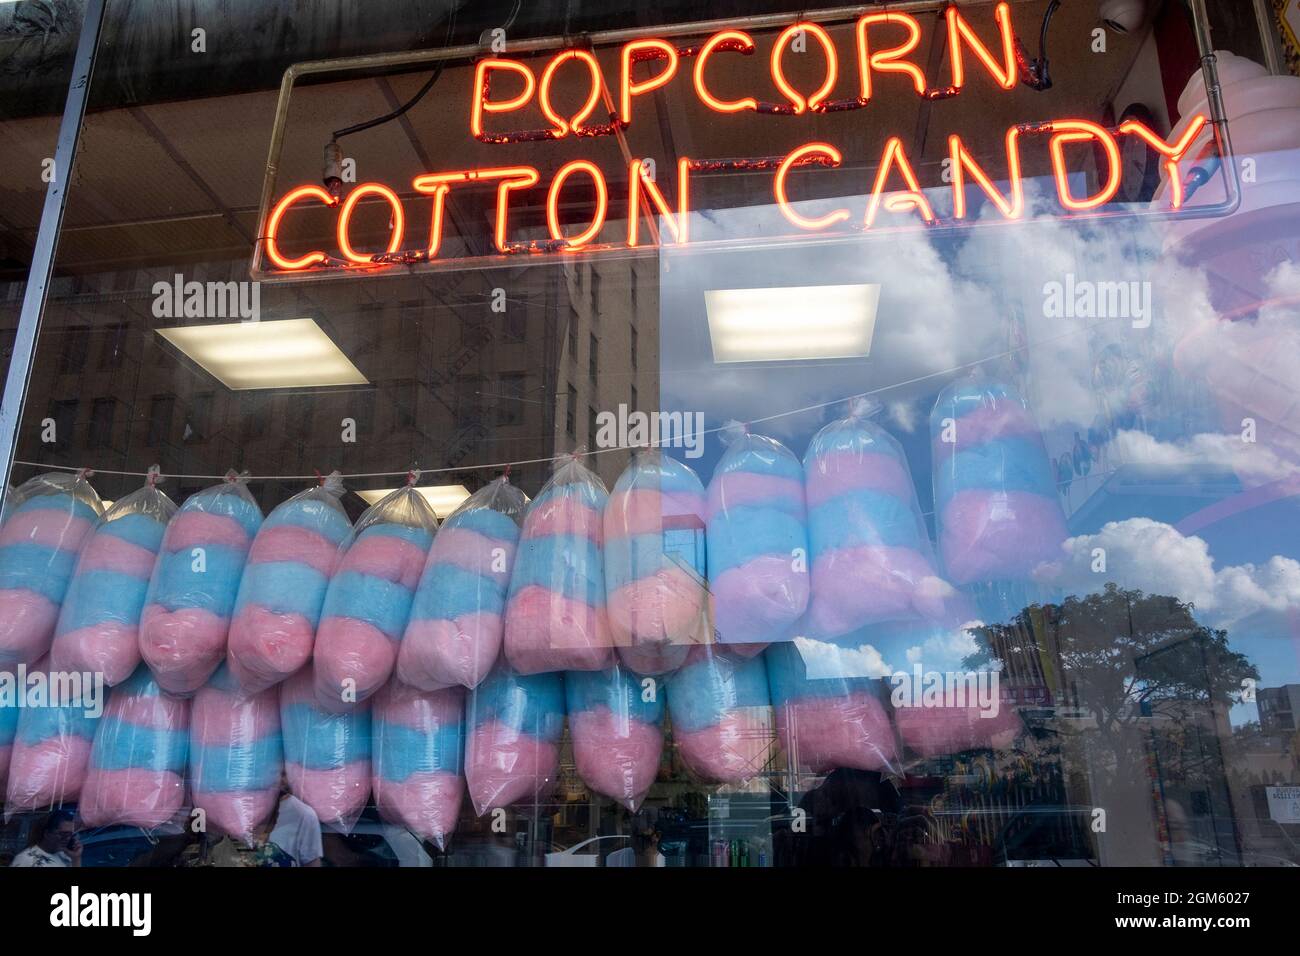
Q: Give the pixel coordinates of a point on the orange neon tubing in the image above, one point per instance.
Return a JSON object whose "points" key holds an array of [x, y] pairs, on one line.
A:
{"points": [[778, 187], [562, 125], [701, 89], [796, 98], [553, 202], [1173, 152], [512, 177], [629, 88], [1076, 131], [962, 162], [345, 218], [890, 60], [273, 229], [481, 104], [636, 180], [912, 198], [959, 30]]}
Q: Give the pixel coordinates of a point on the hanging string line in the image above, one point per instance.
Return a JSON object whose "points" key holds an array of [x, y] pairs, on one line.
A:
{"points": [[551, 459]]}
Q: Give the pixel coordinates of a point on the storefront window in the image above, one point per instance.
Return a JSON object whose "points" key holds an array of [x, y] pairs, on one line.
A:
{"points": [[863, 441]]}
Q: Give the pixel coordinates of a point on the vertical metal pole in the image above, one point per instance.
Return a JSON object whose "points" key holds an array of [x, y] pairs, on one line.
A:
{"points": [[47, 239]]}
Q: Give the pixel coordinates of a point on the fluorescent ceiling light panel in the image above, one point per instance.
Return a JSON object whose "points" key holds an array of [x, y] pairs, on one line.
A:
{"points": [[443, 499], [792, 324], [286, 353]]}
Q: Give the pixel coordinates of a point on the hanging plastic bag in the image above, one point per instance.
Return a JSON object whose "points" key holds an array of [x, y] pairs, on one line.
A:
{"points": [[8, 725], [326, 755], [758, 542], [369, 599], [137, 762], [419, 780], [514, 724], [616, 723], [655, 562], [721, 716], [998, 512], [871, 555], [283, 587], [51, 748], [236, 756], [99, 624], [47, 520], [826, 694], [555, 616], [457, 618], [187, 612]]}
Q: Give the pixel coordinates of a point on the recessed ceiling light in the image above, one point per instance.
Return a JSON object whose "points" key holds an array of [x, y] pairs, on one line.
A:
{"points": [[443, 499], [792, 324], [286, 353]]}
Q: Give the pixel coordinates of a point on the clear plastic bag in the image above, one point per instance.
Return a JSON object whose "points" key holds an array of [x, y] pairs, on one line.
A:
{"points": [[99, 623], [192, 593], [514, 724], [758, 542], [997, 509], [326, 755], [616, 724], [655, 563], [51, 748], [555, 615], [871, 554], [721, 716], [236, 756], [457, 618], [419, 779], [47, 520], [369, 599], [283, 586], [8, 725], [138, 759], [826, 693]]}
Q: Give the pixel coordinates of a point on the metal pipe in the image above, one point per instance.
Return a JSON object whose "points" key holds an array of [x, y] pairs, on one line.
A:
{"points": [[47, 240]]}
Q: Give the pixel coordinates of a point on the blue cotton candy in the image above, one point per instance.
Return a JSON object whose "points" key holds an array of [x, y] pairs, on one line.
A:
{"points": [[97, 596], [178, 585], [565, 564], [285, 587], [35, 567], [708, 687], [377, 601], [617, 690], [124, 746], [532, 704], [319, 740], [403, 751], [238, 767]]}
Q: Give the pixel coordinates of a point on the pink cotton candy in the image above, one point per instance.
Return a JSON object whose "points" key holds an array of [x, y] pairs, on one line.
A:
{"points": [[762, 594], [427, 804], [643, 510], [822, 733], [51, 772], [149, 710], [746, 488], [473, 552], [47, 527], [869, 584], [337, 796], [137, 797], [733, 750], [989, 422], [237, 813], [616, 756], [437, 653], [383, 556], [935, 731], [6, 752], [109, 648], [288, 542], [107, 552], [504, 766], [651, 660], [350, 654], [182, 647], [267, 646], [834, 473], [999, 535], [657, 608], [565, 515], [545, 631], [27, 621], [216, 721], [201, 529]]}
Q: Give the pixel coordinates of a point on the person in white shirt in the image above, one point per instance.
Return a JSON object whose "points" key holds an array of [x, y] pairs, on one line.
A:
{"points": [[57, 845]]}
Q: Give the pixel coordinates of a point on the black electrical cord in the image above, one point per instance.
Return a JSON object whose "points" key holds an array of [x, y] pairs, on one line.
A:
{"points": [[419, 95], [1037, 73]]}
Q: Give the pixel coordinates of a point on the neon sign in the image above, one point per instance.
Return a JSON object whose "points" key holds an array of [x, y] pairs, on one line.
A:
{"points": [[883, 44]]}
